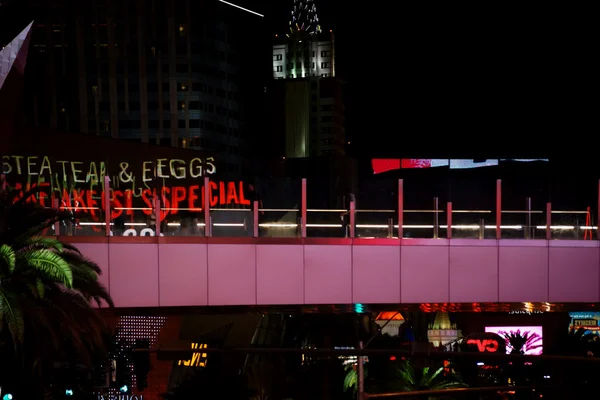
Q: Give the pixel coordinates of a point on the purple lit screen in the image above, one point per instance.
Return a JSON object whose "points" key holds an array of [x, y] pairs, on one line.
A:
{"points": [[533, 346]]}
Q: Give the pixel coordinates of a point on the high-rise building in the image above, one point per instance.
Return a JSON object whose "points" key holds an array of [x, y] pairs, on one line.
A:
{"points": [[170, 72], [308, 106]]}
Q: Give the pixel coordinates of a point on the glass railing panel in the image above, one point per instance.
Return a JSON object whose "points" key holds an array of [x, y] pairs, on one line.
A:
{"points": [[376, 224], [524, 203], [424, 224], [87, 210], [279, 206], [377, 208], [473, 198], [327, 223], [133, 221], [425, 202], [279, 222], [328, 205], [523, 224], [231, 222], [182, 222], [572, 225], [132, 211], [473, 224]]}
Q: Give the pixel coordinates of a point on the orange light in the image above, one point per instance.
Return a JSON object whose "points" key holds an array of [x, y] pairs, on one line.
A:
{"points": [[390, 315]]}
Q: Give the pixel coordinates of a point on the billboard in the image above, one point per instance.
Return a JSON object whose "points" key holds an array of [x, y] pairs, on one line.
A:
{"points": [[534, 337], [588, 321], [381, 165]]}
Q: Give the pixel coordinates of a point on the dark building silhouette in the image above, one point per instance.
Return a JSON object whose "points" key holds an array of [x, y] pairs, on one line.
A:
{"points": [[173, 72]]}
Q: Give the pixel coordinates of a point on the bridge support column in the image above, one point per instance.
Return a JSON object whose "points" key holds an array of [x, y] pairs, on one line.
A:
{"points": [[529, 233], [498, 209], [548, 221], [107, 211], [436, 217], [449, 220], [255, 217], [56, 206], [157, 214], [401, 208], [207, 221], [352, 218], [303, 210]]}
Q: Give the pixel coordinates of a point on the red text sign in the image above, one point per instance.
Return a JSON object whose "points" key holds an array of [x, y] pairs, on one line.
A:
{"points": [[483, 345]]}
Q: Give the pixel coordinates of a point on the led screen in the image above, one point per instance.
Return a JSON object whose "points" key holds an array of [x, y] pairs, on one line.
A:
{"points": [[588, 321], [381, 165], [533, 346]]}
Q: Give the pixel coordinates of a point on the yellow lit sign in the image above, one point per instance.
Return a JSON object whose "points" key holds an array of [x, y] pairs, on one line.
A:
{"points": [[198, 359]]}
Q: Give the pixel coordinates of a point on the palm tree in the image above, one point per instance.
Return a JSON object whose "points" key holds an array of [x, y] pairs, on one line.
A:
{"points": [[522, 342], [351, 378], [46, 290], [406, 378], [426, 379]]}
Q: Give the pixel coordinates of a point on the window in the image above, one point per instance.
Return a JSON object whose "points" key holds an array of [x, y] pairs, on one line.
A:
{"points": [[278, 57], [325, 53], [325, 65], [280, 68]]}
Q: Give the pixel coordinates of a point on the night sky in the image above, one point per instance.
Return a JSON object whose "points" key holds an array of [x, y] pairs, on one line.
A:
{"points": [[433, 80], [426, 79]]}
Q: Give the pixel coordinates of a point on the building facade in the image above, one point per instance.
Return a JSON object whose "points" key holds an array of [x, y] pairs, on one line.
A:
{"points": [[307, 96], [170, 72]]}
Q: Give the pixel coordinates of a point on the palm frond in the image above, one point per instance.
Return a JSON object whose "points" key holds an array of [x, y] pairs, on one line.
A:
{"points": [[50, 264], [44, 242], [83, 264], [429, 377], [12, 316], [7, 259]]}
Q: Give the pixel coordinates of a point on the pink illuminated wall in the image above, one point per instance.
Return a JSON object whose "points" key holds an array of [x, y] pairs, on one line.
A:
{"points": [[245, 271], [533, 345]]}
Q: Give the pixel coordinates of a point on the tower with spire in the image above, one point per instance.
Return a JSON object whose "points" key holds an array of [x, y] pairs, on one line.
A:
{"points": [[304, 70], [305, 51]]}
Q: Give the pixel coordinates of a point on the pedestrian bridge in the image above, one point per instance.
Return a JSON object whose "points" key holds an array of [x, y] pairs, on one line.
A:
{"points": [[213, 271]]}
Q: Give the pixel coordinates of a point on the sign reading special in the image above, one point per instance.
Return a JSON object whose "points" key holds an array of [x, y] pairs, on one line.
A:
{"points": [[79, 185]]}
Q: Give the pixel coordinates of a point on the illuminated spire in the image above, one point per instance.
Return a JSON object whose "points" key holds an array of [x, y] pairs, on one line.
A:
{"points": [[304, 19]]}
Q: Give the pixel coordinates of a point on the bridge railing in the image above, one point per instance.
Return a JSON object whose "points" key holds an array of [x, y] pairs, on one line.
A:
{"points": [[296, 218]]}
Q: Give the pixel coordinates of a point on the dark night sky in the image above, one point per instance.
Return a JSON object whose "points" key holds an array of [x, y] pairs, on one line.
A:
{"points": [[482, 80], [425, 79]]}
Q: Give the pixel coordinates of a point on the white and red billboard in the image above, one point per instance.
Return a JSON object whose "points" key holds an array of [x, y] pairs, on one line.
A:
{"points": [[381, 165]]}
